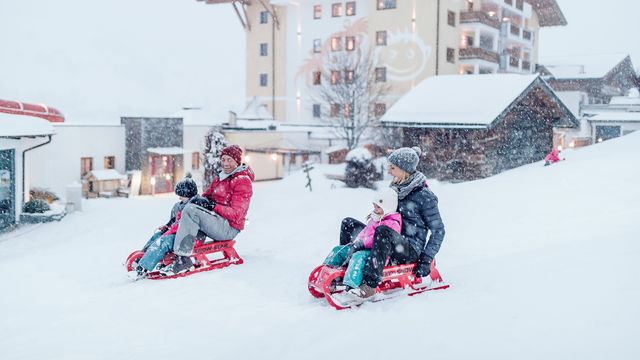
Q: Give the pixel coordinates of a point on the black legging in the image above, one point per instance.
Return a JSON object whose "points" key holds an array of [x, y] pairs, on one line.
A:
{"points": [[386, 243], [349, 229]]}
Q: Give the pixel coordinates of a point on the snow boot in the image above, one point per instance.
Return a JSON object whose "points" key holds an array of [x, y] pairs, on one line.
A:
{"points": [[137, 274], [363, 293], [180, 265]]}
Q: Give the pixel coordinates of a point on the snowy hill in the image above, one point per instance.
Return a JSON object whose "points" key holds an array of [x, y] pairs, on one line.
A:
{"points": [[542, 262]]}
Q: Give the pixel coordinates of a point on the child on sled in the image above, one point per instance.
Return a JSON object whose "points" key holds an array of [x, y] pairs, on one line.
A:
{"points": [[164, 236], [355, 254]]}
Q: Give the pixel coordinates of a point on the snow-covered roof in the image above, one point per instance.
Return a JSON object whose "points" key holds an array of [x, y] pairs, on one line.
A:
{"points": [[581, 67], [616, 116], [169, 151], [633, 98], [572, 100], [192, 115], [472, 101], [109, 174], [334, 148], [255, 110], [12, 125]]}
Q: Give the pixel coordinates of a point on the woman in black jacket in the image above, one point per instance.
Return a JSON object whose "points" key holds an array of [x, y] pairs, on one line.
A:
{"points": [[420, 215]]}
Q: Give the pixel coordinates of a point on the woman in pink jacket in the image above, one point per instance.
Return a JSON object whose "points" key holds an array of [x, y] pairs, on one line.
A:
{"points": [[355, 254]]}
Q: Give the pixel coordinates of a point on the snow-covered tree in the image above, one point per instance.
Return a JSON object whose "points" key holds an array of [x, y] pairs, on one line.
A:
{"points": [[214, 142], [350, 93], [360, 170]]}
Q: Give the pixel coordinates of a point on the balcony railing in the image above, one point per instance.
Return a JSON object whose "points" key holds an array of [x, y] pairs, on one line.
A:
{"points": [[478, 16], [479, 53]]}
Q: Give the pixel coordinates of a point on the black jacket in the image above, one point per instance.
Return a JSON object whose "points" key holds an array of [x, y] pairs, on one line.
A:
{"points": [[420, 214]]}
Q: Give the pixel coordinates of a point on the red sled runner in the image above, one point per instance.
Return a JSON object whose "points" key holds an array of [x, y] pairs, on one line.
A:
{"points": [[325, 281], [203, 257]]}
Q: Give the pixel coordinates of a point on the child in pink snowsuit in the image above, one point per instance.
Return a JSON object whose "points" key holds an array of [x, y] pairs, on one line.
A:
{"points": [[355, 254], [552, 157]]}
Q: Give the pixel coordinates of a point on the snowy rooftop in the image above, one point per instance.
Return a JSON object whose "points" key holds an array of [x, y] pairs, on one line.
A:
{"points": [[109, 174], [169, 151], [192, 115], [581, 67], [459, 100], [255, 110], [633, 98], [12, 125], [616, 116]]}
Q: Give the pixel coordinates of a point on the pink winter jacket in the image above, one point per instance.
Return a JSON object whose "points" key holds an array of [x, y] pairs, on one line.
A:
{"points": [[393, 220], [552, 157]]}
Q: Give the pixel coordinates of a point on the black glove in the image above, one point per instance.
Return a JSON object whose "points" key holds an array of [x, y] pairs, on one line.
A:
{"points": [[353, 248], [203, 202], [423, 267], [163, 229]]}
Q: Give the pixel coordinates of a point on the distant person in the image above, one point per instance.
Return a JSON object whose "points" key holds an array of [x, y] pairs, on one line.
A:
{"points": [[355, 253], [420, 216], [553, 157]]}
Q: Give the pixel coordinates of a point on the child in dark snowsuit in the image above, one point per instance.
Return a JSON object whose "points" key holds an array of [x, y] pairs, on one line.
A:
{"points": [[164, 236], [355, 254]]}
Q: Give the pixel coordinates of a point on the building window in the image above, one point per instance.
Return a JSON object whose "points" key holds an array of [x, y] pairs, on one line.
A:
{"points": [[86, 165], [317, 78], [264, 17], [336, 10], [195, 161], [451, 55], [351, 8], [451, 18], [381, 38], [348, 76], [263, 79], [335, 77], [263, 49], [109, 162], [336, 43], [348, 110], [379, 109], [381, 74], [386, 4], [317, 45], [317, 11], [351, 43], [316, 110], [335, 110]]}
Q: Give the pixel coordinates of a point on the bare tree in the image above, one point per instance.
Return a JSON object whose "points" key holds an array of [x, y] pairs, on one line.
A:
{"points": [[351, 92]]}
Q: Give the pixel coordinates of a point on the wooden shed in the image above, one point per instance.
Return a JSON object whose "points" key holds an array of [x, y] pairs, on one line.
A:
{"points": [[475, 126], [102, 183]]}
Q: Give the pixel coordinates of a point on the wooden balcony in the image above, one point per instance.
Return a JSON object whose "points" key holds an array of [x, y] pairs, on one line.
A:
{"points": [[467, 17], [479, 53]]}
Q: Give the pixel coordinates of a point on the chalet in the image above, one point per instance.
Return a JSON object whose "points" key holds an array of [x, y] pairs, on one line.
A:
{"points": [[475, 126]]}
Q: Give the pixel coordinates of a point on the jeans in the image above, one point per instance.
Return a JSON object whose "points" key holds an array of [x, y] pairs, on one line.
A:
{"points": [[160, 246]]}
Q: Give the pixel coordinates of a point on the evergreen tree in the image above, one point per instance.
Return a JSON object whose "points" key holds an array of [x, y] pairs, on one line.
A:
{"points": [[214, 142]]}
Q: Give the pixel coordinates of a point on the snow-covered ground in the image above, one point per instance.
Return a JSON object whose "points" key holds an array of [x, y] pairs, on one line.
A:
{"points": [[542, 262]]}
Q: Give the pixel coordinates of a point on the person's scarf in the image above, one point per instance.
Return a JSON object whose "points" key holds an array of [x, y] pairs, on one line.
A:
{"points": [[406, 187]]}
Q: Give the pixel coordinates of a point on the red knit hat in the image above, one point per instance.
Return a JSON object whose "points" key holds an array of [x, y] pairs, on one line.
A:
{"points": [[234, 152]]}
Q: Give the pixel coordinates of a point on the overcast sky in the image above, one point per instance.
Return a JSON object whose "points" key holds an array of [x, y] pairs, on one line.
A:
{"points": [[99, 60]]}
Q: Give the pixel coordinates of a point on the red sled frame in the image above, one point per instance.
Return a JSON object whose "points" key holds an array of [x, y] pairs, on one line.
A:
{"points": [[201, 257], [323, 279]]}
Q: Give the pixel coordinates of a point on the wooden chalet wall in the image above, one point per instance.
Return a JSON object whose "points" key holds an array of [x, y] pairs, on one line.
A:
{"points": [[521, 135]]}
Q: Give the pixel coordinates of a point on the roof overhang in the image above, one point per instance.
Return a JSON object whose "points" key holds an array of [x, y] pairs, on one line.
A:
{"points": [[23, 126], [549, 12]]}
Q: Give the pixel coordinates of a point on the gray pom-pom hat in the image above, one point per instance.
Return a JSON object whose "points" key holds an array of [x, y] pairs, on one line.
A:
{"points": [[406, 158]]}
